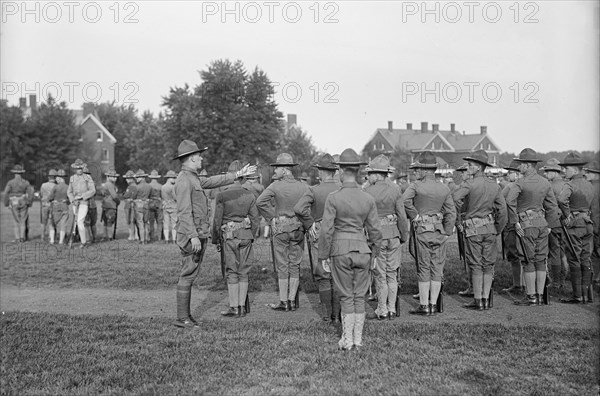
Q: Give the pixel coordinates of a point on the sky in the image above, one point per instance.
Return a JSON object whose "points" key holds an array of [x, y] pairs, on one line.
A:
{"points": [[529, 71]]}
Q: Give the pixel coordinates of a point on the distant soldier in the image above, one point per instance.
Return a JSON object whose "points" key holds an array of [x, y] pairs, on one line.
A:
{"points": [[394, 228], [81, 190], [110, 203], [276, 205], [193, 221], [575, 201], [483, 219], [92, 215], [235, 224], [169, 207], [253, 184], [60, 206], [350, 234], [402, 181], [304, 178], [556, 251], [18, 196], [141, 204], [46, 191], [309, 210], [155, 213], [128, 197], [509, 234], [430, 208], [592, 174], [531, 206], [460, 177]]}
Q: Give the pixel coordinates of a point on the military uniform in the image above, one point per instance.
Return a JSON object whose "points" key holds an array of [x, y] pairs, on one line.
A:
{"points": [[592, 175], [575, 202], [253, 184], [46, 191], [483, 218], [309, 210], [60, 205], [350, 232], [531, 207], [141, 204], [155, 212], [110, 204], [460, 176], [128, 207], [18, 195], [509, 236], [430, 208], [169, 207], [394, 226], [235, 223], [81, 190], [276, 205], [91, 217]]}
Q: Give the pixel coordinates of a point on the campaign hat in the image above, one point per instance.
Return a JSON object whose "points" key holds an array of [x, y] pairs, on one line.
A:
{"points": [[284, 159], [348, 157], [187, 147], [154, 174], [326, 162], [552, 165], [379, 164], [425, 160], [528, 155], [573, 159], [479, 156]]}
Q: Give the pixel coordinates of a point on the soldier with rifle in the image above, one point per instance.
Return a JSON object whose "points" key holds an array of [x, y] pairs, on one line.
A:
{"points": [[81, 189], [531, 207], [575, 202], [141, 205], [18, 196], [483, 219], [46, 191], [60, 206], [309, 210], [276, 205], [234, 226], [592, 174], [92, 215], [463, 176], [110, 204], [432, 213], [130, 192], [394, 227]]}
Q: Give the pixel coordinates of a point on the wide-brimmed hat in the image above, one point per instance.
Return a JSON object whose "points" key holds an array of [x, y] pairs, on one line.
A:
{"points": [[129, 174], [171, 174], [425, 160], [592, 167], [154, 174], [326, 162], [111, 173], [528, 155], [234, 166], [284, 159], [304, 176], [61, 173], [379, 164], [349, 158], [187, 147], [52, 172], [479, 156], [140, 173], [78, 164], [18, 169], [573, 159], [514, 166], [552, 165]]}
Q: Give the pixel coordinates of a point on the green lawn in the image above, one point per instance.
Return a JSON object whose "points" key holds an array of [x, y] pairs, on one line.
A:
{"points": [[60, 354]]}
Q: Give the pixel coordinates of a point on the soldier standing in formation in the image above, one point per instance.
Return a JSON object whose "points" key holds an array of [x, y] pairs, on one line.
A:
{"points": [[110, 203], [130, 192], [46, 191], [193, 221], [140, 205], [18, 195], [60, 206], [430, 208], [575, 202], [92, 215], [81, 189], [309, 210], [155, 213], [276, 205], [592, 174], [169, 207], [484, 218], [556, 251], [509, 234], [235, 223], [531, 207], [461, 177], [394, 228], [344, 246]]}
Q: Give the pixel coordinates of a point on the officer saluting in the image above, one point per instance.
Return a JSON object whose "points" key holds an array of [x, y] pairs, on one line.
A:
{"points": [[430, 208], [193, 221]]}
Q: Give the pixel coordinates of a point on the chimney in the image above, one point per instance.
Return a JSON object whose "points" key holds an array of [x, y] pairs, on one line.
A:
{"points": [[423, 127], [483, 130], [435, 127], [409, 127], [452, 128], [88, 108], [390, 126], [33, 102], [22, 103], [291, 120]]}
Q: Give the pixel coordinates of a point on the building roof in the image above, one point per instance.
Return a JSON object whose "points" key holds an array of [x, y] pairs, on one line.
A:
{"points": [[80, 120]]}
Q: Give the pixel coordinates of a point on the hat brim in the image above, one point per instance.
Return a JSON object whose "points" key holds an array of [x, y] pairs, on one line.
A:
{"points": [[375, 170], [551, 168], [477, 160], [111, 174], [527, 160], [417, 165], [278, 164], [331, 168], [190, 153], [350, 163], [17, 171], [574, 164], [591, 170], [511, 169], [154, 177]]}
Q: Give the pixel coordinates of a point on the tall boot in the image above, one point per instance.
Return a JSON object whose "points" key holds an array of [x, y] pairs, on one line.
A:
{"points": [[488, 293], [345, 343], [184, 318], [517, 273], [477, 281], [335, 307], [436, 286], [61, 237], [131, 236], [93, 233], [326, 300], [174, 236], [242, 296], [294, 283], [540, 281], [233, 291], [106, 234], [587, 291], [283, 289], [52, 234], [359, 322]]}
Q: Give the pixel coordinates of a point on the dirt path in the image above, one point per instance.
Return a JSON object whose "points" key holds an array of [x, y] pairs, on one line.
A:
{"points": [[208, 304]]}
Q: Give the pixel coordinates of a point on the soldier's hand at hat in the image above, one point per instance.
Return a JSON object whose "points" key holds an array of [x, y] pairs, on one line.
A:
{"points": [[519, 230], [196, 245], [246, 170]]}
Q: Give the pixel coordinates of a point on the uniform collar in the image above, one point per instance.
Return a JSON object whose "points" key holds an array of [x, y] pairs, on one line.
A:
{"points": [[349, 185], [188, 169]]}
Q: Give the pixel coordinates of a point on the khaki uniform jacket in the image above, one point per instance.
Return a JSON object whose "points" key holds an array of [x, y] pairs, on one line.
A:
{"points": [[429, 197], [255, 187], [235, 204], [311, 205], [596, 205], [167, 194], [46, 191], [16, 187], [130, 192], [388, 199], [110, 198], [348, 213], [558, 184], [280, 198], [143, 190], [531, 192], [81, 185], [577, 196]]}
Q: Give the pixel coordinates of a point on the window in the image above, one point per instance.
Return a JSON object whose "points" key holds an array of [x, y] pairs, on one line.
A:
{"points": [[481, 146], [99, 136], [104, 155], [433, 145], [375, 147], [489, 146]]}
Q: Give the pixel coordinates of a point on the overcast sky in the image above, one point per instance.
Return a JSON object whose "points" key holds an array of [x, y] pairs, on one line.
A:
{"points": [[529, 71]]}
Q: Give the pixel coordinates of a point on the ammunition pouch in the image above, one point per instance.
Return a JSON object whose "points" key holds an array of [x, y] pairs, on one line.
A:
{"points": [[388, 220], [140, 204], [18, 201], [581, 219], [532, 218], [283, 224], [155, 204], [228, 229], [429, 223], [479, 226]]}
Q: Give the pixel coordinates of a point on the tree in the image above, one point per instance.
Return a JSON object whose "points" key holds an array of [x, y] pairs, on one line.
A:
{"points": [[15, 139], [147, 140], [297, 143]]}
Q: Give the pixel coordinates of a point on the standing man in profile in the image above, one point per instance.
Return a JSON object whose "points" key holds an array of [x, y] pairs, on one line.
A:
{"points": [[81, 189], [309, 210], [46, 192], [110, 203], [276, 205], [193, 221], [18, 195], [141, 205], [155, 213]]}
